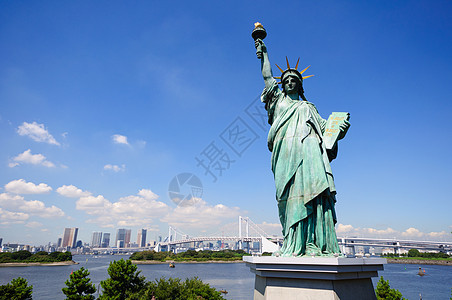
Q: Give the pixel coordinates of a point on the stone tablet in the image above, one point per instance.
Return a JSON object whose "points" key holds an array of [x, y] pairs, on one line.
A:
{"points": [[331, 134]]}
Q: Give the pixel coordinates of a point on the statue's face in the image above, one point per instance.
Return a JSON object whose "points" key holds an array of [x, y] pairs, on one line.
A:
{"points": [[291, 85]]}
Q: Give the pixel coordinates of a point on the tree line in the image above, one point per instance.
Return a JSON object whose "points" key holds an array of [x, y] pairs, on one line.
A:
{"points": [[124, 283], [414, 253], [190, 255], [24, 256]]}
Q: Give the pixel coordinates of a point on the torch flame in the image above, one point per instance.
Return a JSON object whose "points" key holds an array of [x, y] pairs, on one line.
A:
{"points": [[257, 24]]}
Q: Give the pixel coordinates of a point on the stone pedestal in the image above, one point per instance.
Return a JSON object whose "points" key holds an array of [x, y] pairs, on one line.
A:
{"points": [[313, 277]]}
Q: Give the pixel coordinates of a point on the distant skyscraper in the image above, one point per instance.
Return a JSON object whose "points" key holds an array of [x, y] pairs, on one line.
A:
{"points": [[1, 240], [70, 237], [106, 240], [141, 239], [60, 240], [96, 240], [127, 238], [123, 236], [120, 235]]}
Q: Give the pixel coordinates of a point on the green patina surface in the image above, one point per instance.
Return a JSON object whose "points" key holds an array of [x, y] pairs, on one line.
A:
{"points": [[305, 190]]}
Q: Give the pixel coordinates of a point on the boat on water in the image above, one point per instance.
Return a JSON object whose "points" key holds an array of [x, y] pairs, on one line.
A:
{"points": [[172, 265], [421, 272]]}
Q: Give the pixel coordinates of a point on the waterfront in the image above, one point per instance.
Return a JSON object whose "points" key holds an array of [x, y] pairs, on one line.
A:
{"points": [[236, 278]]}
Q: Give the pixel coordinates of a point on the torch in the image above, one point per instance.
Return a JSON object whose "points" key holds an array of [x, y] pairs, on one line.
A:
{"points": [[259, 33]]}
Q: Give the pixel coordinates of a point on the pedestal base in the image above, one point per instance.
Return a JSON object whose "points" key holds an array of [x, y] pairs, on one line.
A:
{"points": [[314, 278]]}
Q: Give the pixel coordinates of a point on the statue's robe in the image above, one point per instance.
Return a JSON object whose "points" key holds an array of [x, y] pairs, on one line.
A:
{"points": [[305, 189]]}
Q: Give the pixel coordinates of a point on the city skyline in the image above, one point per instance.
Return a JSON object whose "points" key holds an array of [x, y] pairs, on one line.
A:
{"points": [[106, 107]]}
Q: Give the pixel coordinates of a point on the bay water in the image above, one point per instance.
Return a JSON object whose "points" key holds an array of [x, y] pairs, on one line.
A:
{"points": [[235, 278]]}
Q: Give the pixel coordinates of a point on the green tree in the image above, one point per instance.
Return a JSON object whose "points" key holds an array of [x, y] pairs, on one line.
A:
{"points": [[124, 280], [21, 255], [414, 253], [6, 257], [17, 289], [384, 291], [79, 286], [175, 289], [64, 256]]}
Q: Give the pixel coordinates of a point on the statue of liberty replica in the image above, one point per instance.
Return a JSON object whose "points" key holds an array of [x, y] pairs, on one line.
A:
{"points": [[302, 144]]}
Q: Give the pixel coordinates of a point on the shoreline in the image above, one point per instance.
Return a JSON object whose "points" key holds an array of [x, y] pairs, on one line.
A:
{"points": [[158, 262], [419, 262], [34, 264], [389, 260]]}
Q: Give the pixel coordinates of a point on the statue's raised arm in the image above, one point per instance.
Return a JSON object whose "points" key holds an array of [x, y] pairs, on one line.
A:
{"points": [[259, 34], [265, 63]]}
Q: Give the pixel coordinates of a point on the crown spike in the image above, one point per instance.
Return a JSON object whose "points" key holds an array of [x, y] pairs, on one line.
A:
{"points": [[282, 71], [307, 76], [296, 67], [287, 61], [305, 69]]}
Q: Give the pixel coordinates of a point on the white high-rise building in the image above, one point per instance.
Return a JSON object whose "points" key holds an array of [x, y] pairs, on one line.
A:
{"points": [[69, 237], [141, 238], [96, 240], [123, 236], [106, 240]]}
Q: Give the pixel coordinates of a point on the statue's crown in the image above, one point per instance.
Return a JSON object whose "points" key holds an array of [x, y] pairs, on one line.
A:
{"points": [[292, 72]]}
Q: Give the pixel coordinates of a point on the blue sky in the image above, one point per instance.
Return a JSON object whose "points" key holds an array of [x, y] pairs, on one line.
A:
{"points": [[103, 103]]}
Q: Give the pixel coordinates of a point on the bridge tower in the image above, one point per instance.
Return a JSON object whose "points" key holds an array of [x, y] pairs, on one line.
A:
{"points": [[247, 229], [172, 236]]}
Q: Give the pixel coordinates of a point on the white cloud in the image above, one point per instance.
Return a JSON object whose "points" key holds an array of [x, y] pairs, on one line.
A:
{"points": [[441, 234], [410, 233], [200, 215], [349, 230], [115, 168], [139, 205], [33, 224], [19, 205], [38, 208], [72, 191], [153, 228], [93, 205], [20, 186], [8, 217], [36, 132], [341, 228], [134, 210], [120, 139], [28, 158], [9, 201], [147, 194]]}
